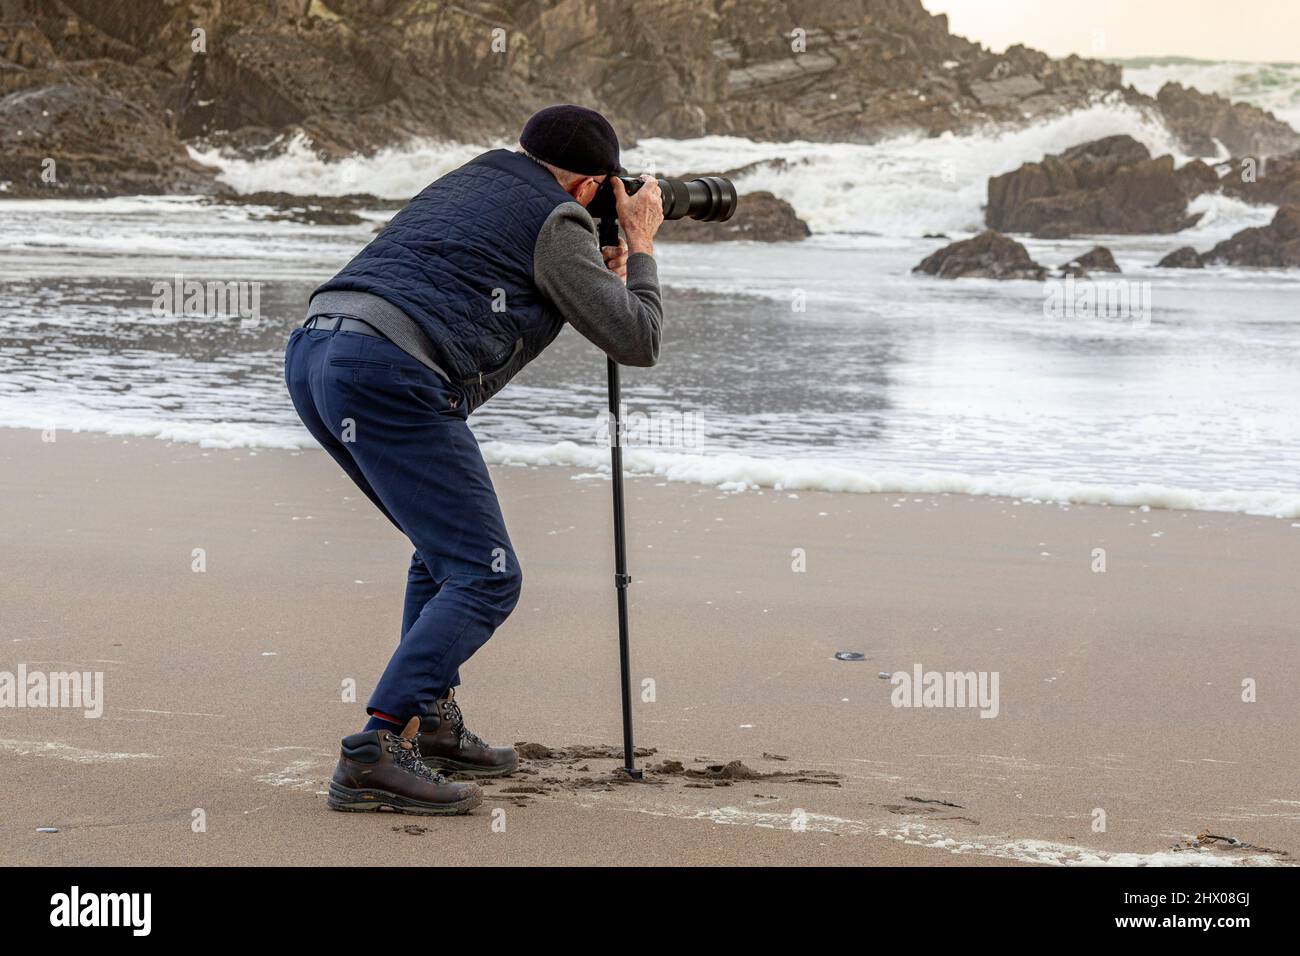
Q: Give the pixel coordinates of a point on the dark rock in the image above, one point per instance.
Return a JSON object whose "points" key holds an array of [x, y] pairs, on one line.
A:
{"points": [[1199, 119], [313, 210], [346, 201], [1273, 181], [23, 47], [1099, 158], [315, 216], [1183, 258], [1097, 259], [990, 255], [1276, 245], [1198, 177], [760, 217], [95, 144], [1111, 185], [1082, 167]]}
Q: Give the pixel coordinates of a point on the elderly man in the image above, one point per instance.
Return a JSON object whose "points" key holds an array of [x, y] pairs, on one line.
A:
{"points": [[467, 285]]}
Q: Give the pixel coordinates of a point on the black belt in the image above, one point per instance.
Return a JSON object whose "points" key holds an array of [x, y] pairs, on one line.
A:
{"points": [[341, 323]]}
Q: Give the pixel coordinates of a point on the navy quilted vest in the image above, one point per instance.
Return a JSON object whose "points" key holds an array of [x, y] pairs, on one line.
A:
{"points": [[458, 259]]}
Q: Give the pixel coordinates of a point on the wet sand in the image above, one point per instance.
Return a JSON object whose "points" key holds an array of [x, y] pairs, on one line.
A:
{"points": [[1118, 691]]}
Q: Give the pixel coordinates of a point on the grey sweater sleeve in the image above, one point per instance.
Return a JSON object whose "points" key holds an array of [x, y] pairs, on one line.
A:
{"points": [[624, 321]]}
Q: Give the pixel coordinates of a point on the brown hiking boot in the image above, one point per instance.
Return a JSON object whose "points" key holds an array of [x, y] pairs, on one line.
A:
{"points": [[380, 769], [445, 744]]}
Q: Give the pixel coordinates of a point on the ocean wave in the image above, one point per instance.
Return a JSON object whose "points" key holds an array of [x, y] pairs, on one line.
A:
{"points": [[397, 172], [910, 184], [901, 186], [1221, 216]]}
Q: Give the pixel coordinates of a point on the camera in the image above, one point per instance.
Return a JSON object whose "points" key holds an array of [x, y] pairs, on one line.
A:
{"points": [[708, 199]]}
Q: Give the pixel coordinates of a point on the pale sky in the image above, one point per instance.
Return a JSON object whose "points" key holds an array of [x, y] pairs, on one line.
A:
{"points": [[1259, 30]]}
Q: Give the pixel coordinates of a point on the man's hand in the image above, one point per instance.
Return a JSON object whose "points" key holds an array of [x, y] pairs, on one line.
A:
{"points": [[616, 258], [641, 214]]}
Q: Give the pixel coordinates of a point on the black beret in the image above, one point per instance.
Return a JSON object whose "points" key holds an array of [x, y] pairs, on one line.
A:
{"points": [[573, 138]]}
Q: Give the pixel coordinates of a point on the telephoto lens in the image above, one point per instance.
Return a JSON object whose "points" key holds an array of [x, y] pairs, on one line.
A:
{"points": [[708, 199]]}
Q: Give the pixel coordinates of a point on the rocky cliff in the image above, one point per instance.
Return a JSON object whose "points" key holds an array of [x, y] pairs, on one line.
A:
{"points": [[353, 75]]}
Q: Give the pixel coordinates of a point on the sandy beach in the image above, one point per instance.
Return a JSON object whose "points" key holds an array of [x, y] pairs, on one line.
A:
{"points": [[224, 689]]}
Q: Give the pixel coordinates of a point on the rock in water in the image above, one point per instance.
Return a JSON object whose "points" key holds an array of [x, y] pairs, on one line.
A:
{"points": [[1082, 167], [760, 216], [313, 210], [1097, 259], [1273, 181], [1199, 119], [1111, 185], [990, 255], [1182, 258], [1275, 246]]}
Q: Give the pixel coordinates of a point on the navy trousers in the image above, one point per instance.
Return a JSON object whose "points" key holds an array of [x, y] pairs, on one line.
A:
{"points": [[399, 431]]}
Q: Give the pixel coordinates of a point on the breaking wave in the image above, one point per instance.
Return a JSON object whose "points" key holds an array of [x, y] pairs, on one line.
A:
{"points": [[907, 185]]}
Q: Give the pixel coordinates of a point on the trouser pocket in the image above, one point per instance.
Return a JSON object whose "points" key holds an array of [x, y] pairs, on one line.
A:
{"points": [[358, 363]]}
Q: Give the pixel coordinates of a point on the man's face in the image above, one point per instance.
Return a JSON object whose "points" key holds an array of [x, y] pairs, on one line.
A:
{"points": [[584, 190]]}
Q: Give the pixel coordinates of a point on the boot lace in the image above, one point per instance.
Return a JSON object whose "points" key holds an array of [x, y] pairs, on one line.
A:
{"points": [[463, 734], [408, 758]]}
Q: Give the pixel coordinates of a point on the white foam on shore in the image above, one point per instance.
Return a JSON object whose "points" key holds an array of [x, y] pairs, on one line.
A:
{"points": [[728, 471], [1049, 853], [735, 472], [1043, 852], [222, 434]]}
